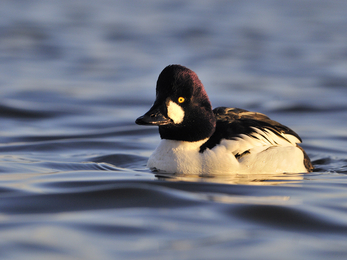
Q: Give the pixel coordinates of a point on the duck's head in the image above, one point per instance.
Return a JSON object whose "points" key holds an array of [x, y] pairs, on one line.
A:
{"points": [[182, 109]]}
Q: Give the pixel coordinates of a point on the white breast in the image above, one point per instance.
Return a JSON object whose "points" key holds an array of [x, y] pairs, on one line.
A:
{"points": [[177, 157]]}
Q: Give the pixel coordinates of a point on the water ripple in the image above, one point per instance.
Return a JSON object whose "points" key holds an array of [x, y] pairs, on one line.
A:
{"points": [[108, 196], [288, 218]]}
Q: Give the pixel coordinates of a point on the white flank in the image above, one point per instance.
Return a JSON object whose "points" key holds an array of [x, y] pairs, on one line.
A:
{"points": [[175, 112], [184, 157]]}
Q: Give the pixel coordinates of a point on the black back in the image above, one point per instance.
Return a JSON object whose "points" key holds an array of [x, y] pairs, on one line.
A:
{"points": [[232, 122]]}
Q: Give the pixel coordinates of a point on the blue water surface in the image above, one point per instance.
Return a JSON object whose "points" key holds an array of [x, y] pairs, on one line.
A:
{"points": [[74, 76]]}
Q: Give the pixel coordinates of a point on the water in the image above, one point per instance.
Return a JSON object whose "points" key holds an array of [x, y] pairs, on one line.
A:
{"points": [[75, 75]]}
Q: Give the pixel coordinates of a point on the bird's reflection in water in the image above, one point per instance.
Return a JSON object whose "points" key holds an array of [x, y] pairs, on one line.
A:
{"points": [[245, 179]]}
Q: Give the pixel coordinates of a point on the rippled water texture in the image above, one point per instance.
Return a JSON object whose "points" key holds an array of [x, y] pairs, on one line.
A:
{"points": [[74, 76]]}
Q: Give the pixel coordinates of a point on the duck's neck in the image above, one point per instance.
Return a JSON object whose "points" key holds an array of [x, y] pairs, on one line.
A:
{"points": [[194, 128]]}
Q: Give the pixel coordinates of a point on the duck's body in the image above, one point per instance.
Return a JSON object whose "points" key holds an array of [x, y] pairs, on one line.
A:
{"points": [[197, 140]]}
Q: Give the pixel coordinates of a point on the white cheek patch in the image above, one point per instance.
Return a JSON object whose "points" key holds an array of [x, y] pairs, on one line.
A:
{"points": [[175, 112]]}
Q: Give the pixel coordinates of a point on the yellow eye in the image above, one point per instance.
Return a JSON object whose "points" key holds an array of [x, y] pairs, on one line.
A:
{"points": [[180, 99]]}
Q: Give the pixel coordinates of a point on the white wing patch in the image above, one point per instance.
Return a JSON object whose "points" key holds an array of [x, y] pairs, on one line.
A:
{"points": [[175, 112], [270, 137], [260, 139]]}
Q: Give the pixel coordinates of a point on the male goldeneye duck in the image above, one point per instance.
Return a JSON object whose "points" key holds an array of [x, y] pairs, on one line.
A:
{"points": [[199, 140]]}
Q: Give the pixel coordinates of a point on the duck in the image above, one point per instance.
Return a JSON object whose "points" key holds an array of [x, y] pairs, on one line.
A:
{"points": [[199, 140]]}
